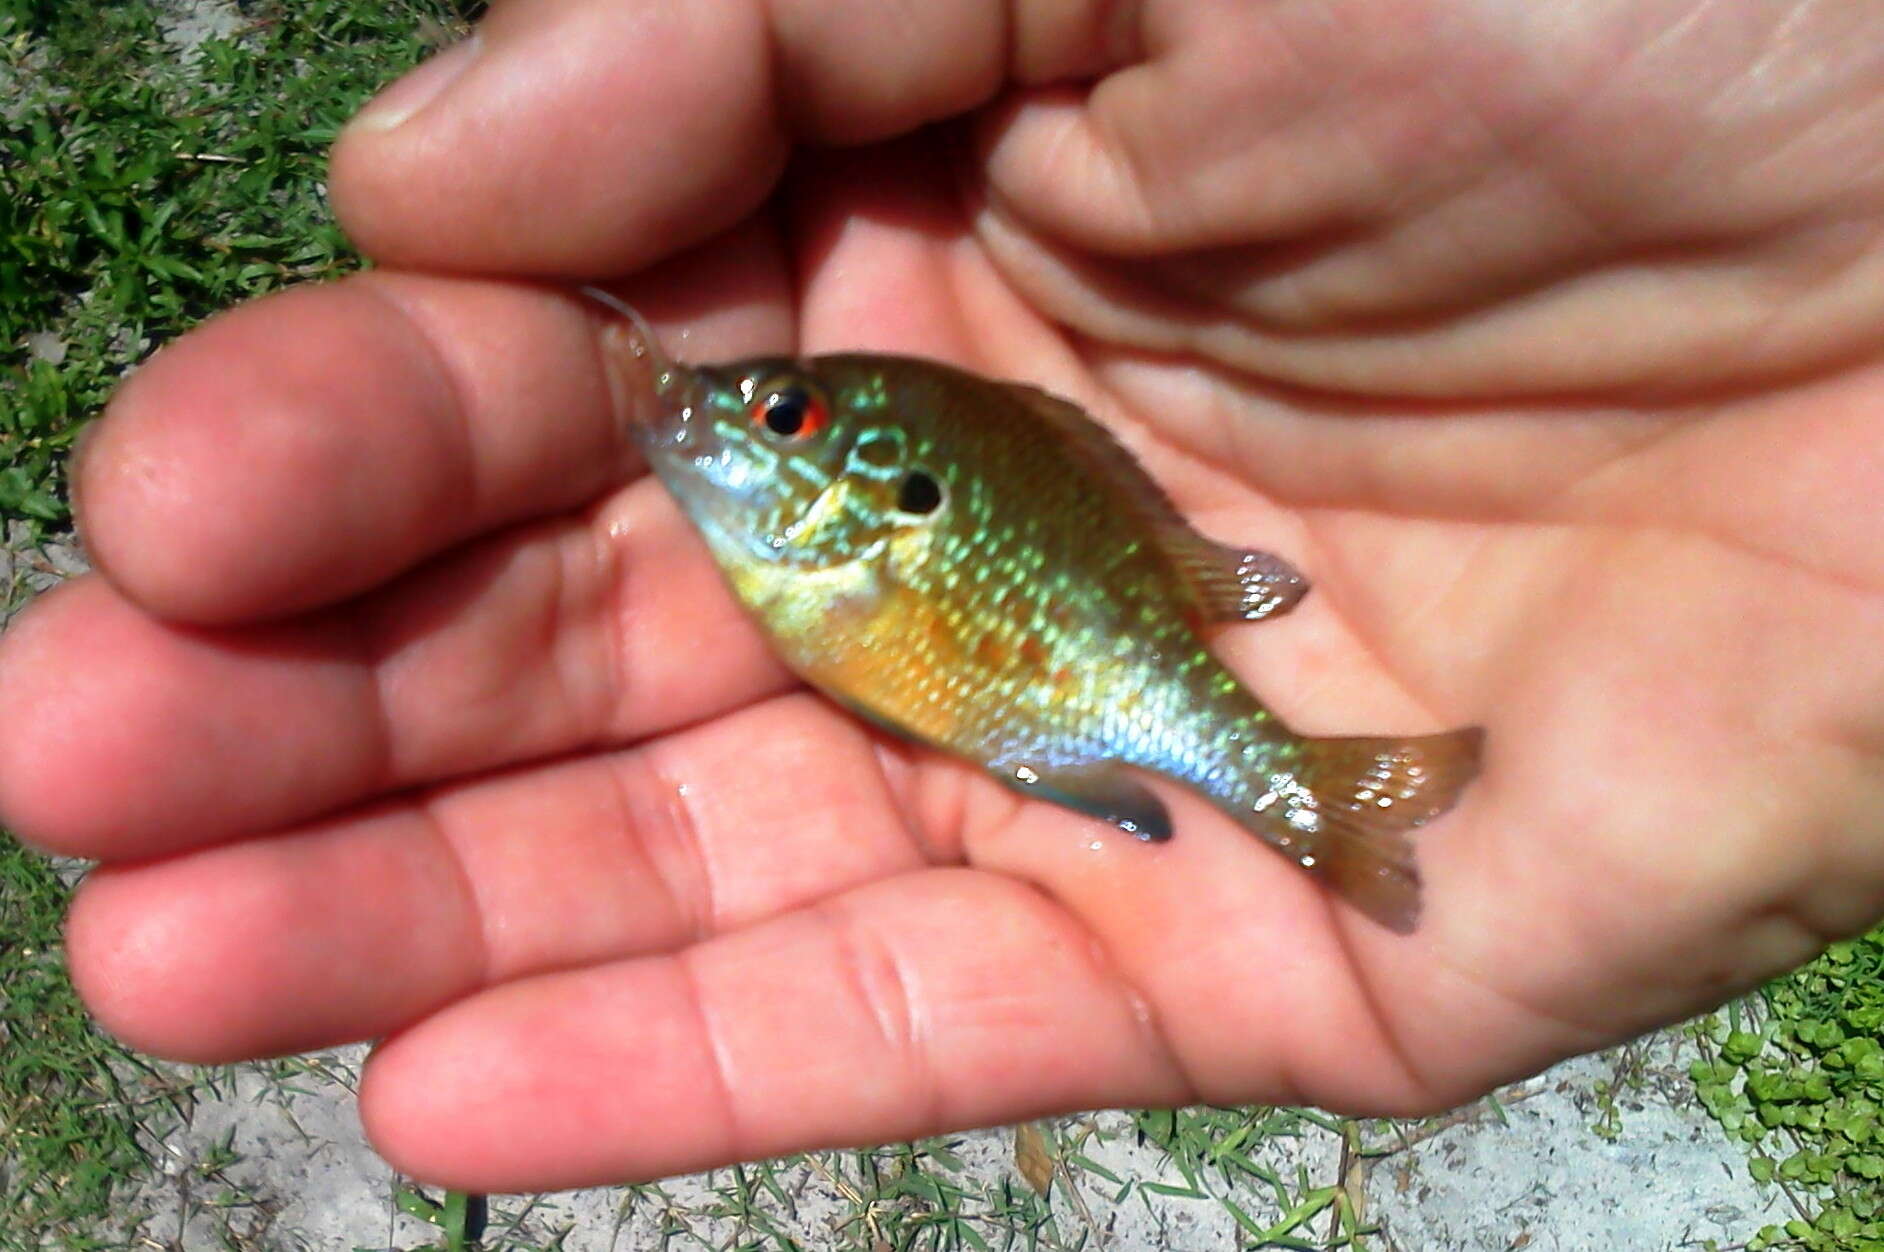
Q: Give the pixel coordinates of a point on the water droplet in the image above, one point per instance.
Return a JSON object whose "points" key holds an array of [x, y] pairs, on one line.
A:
{"points": [[1139, 1006]]}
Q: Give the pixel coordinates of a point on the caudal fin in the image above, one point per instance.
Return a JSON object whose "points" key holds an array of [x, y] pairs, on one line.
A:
{"points": [[1366, 794]]}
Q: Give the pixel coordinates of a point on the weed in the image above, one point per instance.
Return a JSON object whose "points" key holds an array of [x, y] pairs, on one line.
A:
{"points": [[1804, 1087], [68, 1125], [142, 195]]}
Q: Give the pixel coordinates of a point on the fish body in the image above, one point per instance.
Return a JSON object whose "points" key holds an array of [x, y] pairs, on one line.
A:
{"points": [[979, 566]]}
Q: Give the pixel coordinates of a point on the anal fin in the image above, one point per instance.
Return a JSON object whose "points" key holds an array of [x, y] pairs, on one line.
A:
{"points": [[1104, 790]]}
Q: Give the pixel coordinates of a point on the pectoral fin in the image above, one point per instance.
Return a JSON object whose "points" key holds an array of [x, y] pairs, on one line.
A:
{"points": [[1105, 790]]}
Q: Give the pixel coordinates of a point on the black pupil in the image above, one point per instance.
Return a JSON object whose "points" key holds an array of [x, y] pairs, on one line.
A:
{"points": [[785, 411], [920, 494]]}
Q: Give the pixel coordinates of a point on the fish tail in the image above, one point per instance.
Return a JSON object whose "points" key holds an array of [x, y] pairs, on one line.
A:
{"points": [[1356, 799]]}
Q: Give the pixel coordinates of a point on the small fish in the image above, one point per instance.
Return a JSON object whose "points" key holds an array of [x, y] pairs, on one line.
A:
{"points": [[979, 566]]}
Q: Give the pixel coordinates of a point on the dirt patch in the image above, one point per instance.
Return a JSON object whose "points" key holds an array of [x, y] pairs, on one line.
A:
{"points": [[29, 566], [188, 24]]}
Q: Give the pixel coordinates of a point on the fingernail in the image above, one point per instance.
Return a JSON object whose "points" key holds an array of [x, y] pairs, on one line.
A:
{"points": [[417, 89]]}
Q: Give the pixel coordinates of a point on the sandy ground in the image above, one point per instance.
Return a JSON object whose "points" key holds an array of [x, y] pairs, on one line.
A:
{"points": [[1537, 1176]]}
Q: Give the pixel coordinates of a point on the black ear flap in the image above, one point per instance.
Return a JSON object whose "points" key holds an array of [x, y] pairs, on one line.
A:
{"points": [[920, 494]]}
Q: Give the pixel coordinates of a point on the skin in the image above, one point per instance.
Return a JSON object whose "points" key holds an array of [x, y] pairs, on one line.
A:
{"points": [[1547, 340]]}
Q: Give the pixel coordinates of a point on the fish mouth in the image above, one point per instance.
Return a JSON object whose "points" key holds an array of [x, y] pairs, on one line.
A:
{"points": [[678, 395], [656, 397]]}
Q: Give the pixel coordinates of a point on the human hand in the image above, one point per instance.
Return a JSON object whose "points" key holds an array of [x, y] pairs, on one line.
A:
{"points": [[1546, 344]]}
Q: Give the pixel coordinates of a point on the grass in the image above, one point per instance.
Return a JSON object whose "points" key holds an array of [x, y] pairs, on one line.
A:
{"points": [[1803, 1086], [141, 198], [141, 191], [68, 1129]]}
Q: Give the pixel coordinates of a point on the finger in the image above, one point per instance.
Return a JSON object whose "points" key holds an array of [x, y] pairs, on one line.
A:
{"points": [[125, 737], [942, 999], [1265, 987], [1332, 120], [639, 128], [303, 448], [352, 928]]}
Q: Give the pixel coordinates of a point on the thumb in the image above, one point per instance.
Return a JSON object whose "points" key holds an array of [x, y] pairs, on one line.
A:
{"points": [[588, 137]]}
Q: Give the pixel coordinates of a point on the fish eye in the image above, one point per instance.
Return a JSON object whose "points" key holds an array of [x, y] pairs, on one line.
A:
{"points": [[920, 493], [788, 410]]}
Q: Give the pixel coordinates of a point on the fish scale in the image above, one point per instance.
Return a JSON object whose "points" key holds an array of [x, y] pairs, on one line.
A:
{"points": [[980, 567]]}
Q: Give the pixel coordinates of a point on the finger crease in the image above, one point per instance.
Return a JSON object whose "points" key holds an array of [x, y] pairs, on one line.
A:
{"points": [[879, 980], [1139, 1004], [458, 403], [369, 653], [562, 633], [1143, 1010], [612, 567], [425, 808], [722, 1073], [674, 825], [1359, 975], [898, 775]]}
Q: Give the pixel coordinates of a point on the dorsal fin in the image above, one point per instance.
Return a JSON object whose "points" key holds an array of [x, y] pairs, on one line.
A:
{"points": [[1226, 583], [1235, 584]]}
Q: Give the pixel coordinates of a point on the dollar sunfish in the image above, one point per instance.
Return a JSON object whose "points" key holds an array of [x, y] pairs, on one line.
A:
{"points": [[980, 567]]}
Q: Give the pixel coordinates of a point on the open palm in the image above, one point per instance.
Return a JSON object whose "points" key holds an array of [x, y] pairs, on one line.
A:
{"points": [[1548, 348]]}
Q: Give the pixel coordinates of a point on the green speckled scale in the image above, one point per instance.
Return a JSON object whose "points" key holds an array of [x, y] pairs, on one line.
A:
{"points": [[979, 566]]}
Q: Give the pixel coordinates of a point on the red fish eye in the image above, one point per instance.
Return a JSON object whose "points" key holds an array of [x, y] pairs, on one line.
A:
{"points": [[789, 411]]}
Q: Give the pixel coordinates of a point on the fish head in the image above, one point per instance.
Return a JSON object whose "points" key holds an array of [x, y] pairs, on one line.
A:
{"points": [[786, 462]]}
